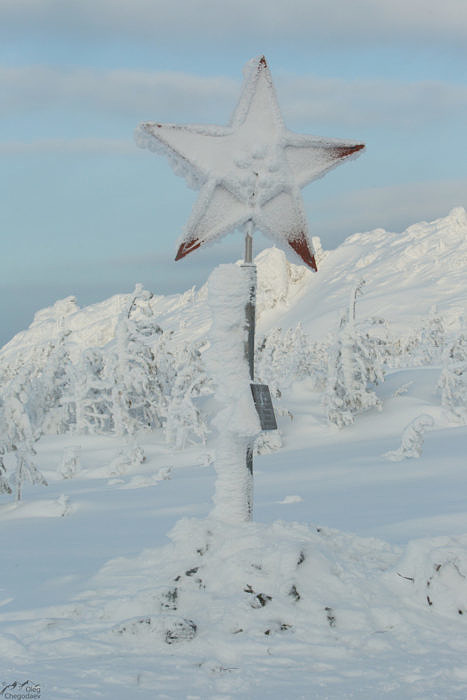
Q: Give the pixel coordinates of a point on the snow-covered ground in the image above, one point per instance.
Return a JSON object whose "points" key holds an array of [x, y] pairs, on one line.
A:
{"points": [[350, 583]]}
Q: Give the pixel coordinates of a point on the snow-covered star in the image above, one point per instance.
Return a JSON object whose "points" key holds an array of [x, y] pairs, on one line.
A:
{"points": [[250, 172]]}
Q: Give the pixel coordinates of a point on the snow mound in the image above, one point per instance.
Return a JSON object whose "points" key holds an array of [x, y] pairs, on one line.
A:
{"points": [[44, 508], [288, 596], [433, 572]]}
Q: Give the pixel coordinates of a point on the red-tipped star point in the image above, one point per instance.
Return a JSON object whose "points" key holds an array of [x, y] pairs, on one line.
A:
{"points": [[345, 151], [300, 246], [187, 247]]}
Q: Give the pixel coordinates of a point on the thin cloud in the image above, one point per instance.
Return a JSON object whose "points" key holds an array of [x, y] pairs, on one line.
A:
{"points": [[69, 146], [172, 96], [393, 207], [325, 21], [372, 103], [160, 94]]}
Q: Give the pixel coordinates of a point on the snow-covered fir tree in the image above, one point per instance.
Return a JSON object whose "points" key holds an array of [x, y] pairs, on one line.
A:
{"points": [[184, 421], [354, 364], [19, 409], [412, 439], [142, 380], [137, 388], [282, 358], [54, 388], [70, 463], [431, 341], [128, 457], [422, 345], [4, 485], [26, 469], [93, 394], [19, 436], [453, 379]]}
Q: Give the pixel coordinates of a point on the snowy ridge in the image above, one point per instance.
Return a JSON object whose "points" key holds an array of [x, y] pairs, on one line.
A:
{"points": [[185, 315], [406, 275]]}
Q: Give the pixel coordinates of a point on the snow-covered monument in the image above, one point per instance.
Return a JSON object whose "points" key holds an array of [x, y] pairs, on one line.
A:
{"points": [[249, 174]]}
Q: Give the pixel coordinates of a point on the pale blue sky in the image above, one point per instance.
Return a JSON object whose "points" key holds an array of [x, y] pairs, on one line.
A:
{"points": [[84, 212]]}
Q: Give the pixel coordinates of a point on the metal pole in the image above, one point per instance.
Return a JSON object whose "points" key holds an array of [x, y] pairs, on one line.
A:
{"points": [[250, 313], [250, 316]]}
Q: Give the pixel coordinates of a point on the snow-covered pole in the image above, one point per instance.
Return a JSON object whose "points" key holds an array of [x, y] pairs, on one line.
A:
{"points": [[250, 320], [250, 308], [230, 291]]}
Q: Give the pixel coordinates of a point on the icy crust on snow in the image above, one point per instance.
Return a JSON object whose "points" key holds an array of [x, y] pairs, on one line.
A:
{"points": [[237, 423]]}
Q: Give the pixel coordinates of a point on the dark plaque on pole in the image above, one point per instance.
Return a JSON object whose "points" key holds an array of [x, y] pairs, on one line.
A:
{"points": [[264, 407]]}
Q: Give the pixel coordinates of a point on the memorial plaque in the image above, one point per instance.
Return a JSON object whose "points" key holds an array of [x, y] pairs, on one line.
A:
{"points": [[264, 407]]}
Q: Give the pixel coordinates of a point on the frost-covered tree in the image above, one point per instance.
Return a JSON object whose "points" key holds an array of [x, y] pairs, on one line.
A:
{"points": [[184, 420], [155, 380], [434, 335], [130, 456], [93, 394], [54, 389], [453, 379], [378, 334], [354, 364], [430, 341], [26, 469], [22, 406], [421, 345], [267, 353], [412, 439], [18, 411], [70, 463], [133, 373], [283, 358], [19, 436], [4, 485], [142, 379]]}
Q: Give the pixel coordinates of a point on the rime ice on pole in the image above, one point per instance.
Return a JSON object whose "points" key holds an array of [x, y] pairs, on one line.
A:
{"points": [[249, 171], [237, 422]]}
